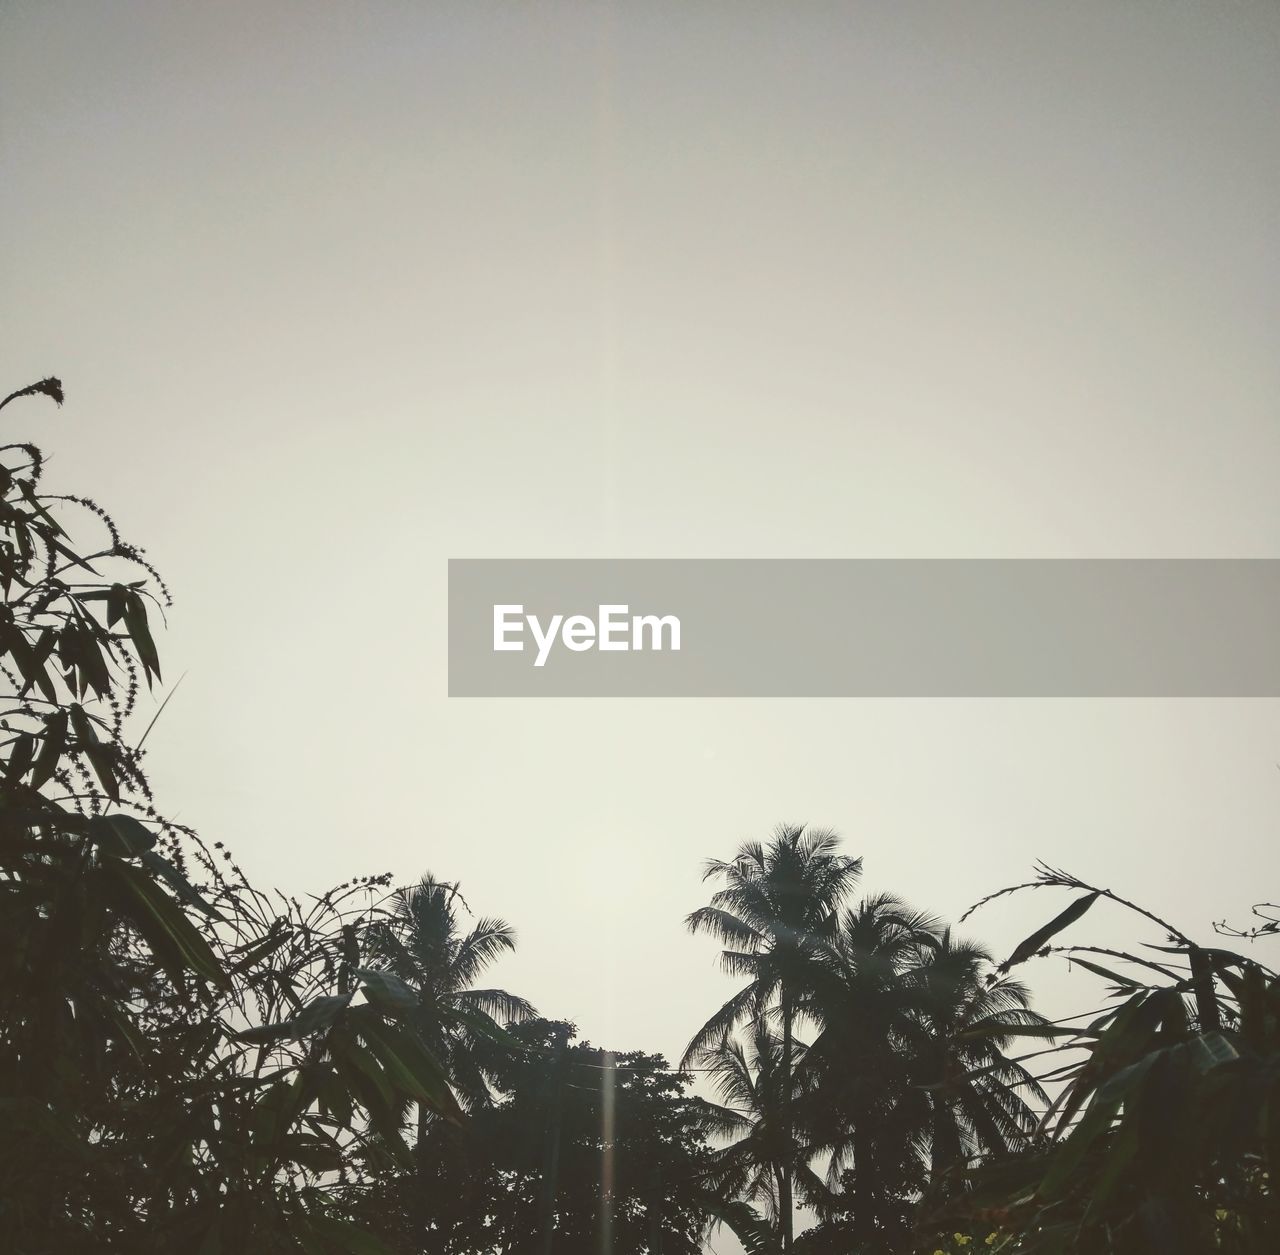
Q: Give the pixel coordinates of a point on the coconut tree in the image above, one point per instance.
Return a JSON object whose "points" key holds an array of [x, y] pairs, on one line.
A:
{"points": [[747, 1071], [777, 907], [864, 1110], [910, 1062], [424, 945], [965, 1020]]}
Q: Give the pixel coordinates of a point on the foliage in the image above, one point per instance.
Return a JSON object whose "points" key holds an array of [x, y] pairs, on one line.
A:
{"points": [[904, 1077], [777, 905], [1165, 1134], [421, 945], [185, 1062], [747, 1070], [901, 1089], [608, 1147], [188, 1062]]}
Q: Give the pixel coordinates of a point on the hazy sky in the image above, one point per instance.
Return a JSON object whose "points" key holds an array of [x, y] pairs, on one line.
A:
{"points": [[341, 291]]}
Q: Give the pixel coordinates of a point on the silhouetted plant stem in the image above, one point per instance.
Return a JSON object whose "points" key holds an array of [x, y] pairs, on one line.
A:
{"points": [[552, 1161], [788, 1133]]}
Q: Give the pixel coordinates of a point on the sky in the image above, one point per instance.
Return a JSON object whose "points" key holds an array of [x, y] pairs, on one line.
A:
{"points": [[339, 292]]}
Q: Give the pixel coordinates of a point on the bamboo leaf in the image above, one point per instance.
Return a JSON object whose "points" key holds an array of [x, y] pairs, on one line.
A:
{"points": [[159, 917], [178, 883], [1042, 936], [317, 1016], [135, 618], [52, 745], [1125, 982], [121, 834], [97, 753], [387, 991]]}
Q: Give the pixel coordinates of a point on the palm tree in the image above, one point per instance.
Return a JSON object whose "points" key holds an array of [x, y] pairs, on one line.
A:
{"points": [[777, 907], [966, 1020], [749, 1077], [864, 1110], [909, 1071], [423, 945]]}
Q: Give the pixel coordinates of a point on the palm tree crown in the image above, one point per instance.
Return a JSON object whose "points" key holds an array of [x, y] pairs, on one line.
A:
{"points": [[779, 903], [777, 906], [425, 947]]}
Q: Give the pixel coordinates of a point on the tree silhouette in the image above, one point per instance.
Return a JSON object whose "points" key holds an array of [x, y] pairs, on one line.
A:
{"points": [[630, 1164], [747, 1071], [907, 1078], [186, 1063], [967, 1019], [1163, 1136], [862, 1107], [424, 946], [777, 907]]}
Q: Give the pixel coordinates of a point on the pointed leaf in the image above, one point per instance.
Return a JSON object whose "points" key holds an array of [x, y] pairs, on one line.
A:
{"points": [[1042, 936]]}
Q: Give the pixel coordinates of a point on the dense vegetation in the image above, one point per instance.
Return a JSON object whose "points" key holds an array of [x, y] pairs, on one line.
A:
{"points": [[190, 1063]]}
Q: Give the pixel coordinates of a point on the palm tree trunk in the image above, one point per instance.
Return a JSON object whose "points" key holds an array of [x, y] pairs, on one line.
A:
{"points": [[420, 1209], [784, 1176], [865, 1207], [551, 1162]]}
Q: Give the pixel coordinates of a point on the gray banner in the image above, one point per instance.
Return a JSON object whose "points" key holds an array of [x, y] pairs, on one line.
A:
{"points": [[864, 628]]}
